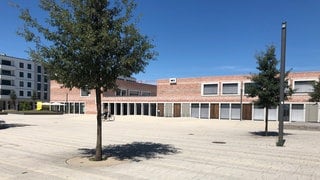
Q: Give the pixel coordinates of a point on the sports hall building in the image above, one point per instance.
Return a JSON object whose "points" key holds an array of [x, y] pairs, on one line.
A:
{"points": [[216, 97]]}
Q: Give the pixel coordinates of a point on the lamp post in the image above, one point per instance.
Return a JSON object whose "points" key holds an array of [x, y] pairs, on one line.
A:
{"points": [[282, 75]]}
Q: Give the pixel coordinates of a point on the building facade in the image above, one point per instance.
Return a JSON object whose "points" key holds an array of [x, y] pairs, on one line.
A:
{"points": [[217, 97], [25, 78]]}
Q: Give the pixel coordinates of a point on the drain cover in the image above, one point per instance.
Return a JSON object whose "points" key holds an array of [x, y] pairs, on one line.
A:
{"points": [[218, 142]]}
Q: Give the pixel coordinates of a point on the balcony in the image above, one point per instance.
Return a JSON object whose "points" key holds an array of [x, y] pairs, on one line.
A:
{"points": [[7, 67]]}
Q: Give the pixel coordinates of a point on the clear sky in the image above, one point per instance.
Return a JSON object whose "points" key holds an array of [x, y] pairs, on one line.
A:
{"points": [[206, 37]]}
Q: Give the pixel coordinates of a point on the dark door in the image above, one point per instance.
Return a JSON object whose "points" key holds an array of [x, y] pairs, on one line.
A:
{"points": [[177, 110], [247, 112], [160, 110], [214, 111]]}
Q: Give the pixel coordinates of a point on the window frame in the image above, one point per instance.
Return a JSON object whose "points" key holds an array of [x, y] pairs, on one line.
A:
{"points": [[301, 80], [230, 94], [210, 83]]}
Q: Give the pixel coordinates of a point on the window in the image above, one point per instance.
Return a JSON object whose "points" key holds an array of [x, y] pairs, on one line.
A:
{"points": [[39, 69], [303, 86], [210, 89], [38, 78], [145, 93], [6, 62], [121, 92], [45, 79], [29, 84], [21, 93], [21, 74], [230, 88], [6, 82], [45, 87], [6, 72], [84, 92], [45, 95], [39, 95], [21, 65], [29, 93], [39, 87], [247, 86], [29, 75], [21, 84], [5, 92], [29, 66], [134, 93]]}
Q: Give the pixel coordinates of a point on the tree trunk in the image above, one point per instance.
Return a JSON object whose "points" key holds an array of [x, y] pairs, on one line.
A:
{"points": [[98, 156], [266, 121]]}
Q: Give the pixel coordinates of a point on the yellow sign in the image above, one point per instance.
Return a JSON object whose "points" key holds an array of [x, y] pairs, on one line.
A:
{"points": [[39, 105]]}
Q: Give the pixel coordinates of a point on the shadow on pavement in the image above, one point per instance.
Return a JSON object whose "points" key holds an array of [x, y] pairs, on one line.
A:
{"points": [[134, 151], [3, 125], [270, 133]]}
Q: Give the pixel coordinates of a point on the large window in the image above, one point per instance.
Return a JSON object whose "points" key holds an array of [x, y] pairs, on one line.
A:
{"points": [[5, 92], [247, 86], [21, 74], [29, 66], [6, 72], [21, 65], [84, 92], [6, 82], [121, 92], [134, 93], [230, 88], [303, 86], [39, 69], [6, 62], [210, 89], [145, 93]]}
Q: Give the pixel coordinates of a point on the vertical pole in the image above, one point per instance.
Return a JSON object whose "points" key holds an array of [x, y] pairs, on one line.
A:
{"points": [[241, 94], [282, 75]]}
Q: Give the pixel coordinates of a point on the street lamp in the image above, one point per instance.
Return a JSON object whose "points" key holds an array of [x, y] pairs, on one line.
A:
{"points": [[282, 75]]}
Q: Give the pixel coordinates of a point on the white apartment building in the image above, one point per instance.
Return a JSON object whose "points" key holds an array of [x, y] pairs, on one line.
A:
{"points": [[25, 78]]}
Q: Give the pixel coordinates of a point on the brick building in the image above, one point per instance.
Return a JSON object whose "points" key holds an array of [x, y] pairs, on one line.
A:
{"points": [[217, 97]]}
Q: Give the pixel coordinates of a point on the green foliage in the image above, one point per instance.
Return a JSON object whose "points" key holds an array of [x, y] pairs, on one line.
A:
{"points": [[88, 44], [267, 82], [13, 98], [315, 95], [24, 106]]}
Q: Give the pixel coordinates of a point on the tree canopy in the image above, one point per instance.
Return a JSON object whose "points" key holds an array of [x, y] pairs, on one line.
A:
{"points": [[315, 95], [88, 44], [266, 84]]}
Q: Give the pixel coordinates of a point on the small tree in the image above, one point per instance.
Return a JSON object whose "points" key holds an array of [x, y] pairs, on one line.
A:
{"points": [[267, 82], [88, 44], [34, 98], [315, 95], [13, 98]]}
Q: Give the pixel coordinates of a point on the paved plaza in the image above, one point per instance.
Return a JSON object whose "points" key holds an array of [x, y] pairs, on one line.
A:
{"points": [[44, 147]]}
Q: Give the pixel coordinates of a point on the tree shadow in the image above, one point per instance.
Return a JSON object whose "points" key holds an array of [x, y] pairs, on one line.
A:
{"points": [[133, 151], [270, 133], [3, 125]]}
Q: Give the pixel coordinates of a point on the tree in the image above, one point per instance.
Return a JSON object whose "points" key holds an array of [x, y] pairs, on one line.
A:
{"points": [[34, 98], [266, 84], [88, 44], [315, 95], [13, 97]]}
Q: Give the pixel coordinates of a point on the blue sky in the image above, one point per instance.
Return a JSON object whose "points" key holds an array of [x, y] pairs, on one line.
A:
{"points": [[207, 37]]}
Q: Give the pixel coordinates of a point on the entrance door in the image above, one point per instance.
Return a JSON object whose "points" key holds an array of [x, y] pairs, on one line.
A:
{"points": [[214, 111], [247, 112], [160, 109], [177, 110]]}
